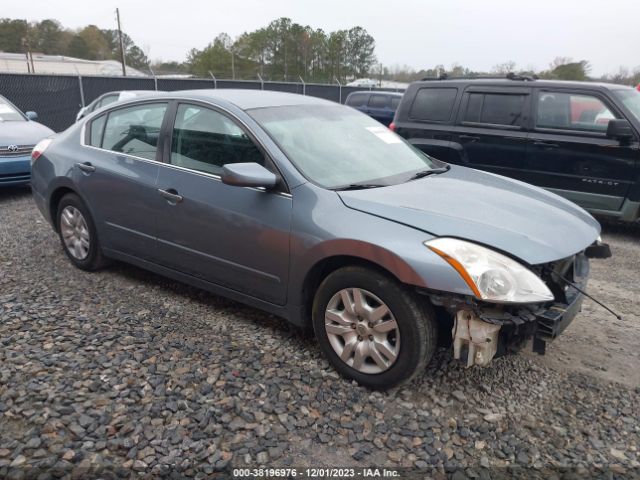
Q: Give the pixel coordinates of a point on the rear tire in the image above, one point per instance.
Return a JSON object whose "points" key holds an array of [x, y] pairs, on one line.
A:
{"points": [[78, 235], [372, 328]]}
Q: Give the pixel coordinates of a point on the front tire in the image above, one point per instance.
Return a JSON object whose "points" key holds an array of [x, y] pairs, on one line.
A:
{"points": [[78, 235], [372, 328]]}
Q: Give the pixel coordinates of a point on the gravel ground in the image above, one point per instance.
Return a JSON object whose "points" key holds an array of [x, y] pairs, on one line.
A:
{"points": [[123, 373]]}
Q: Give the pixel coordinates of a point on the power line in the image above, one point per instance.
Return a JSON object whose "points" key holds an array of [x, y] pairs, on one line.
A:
{"points": [[124, 70]]}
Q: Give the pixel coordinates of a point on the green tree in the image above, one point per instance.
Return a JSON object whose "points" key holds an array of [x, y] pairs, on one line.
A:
{"points": [[13, 34], [572, 71], [564, 68], [78, 48], [97, 45], [48, 37], [360, 50], [134, 56], [214, 58]]}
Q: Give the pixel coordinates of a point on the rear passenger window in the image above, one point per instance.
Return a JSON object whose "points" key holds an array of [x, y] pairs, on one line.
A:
{"points": [[205, 140], [433, 104], [395, 101], [357, 99], [97, 127], [495, 108], [134, 130], [378, 101], [569, 111]]}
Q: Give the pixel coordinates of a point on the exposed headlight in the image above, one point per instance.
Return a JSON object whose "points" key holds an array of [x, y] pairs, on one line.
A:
{"points": [[490, 275]]}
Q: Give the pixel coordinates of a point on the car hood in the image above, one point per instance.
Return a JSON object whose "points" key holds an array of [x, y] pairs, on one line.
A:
{"points": [[524, 221], [22, 133]]}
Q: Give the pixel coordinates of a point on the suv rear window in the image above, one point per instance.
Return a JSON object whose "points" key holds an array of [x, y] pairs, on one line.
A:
{"points": [[378, 101], [433, 104], [357, 99], [495, 108]]}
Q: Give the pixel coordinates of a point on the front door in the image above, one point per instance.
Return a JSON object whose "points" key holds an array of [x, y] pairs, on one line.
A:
{"points": [[492, 129], [117, 175], [232, 236], [569, 153]]}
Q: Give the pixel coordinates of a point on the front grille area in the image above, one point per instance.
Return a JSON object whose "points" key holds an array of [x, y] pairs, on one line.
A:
{"points": [[15, 150], [551, 273]]}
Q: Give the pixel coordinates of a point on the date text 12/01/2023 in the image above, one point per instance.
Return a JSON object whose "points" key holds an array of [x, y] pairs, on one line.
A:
{"points": [[315, 473]]}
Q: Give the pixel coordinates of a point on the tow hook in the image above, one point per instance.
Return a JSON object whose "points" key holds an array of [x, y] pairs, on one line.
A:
{"points": [[480, 337]]}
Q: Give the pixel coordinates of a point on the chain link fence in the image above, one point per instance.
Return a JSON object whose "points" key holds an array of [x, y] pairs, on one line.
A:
{"points": [[57, 98]]}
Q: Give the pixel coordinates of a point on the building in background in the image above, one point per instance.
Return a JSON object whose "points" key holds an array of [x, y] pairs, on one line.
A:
{"points": [[60, 65]]}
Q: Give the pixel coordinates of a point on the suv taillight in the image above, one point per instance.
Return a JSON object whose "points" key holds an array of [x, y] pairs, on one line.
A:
{"points": [[392, 127], [39, 149]]}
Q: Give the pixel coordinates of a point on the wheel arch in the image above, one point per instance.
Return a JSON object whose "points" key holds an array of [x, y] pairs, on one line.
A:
{"points": [[388, 264], [54, 201]]}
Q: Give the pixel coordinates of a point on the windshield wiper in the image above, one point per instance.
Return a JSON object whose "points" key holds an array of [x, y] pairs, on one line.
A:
{"points": [[359, 186], [426, 173]]}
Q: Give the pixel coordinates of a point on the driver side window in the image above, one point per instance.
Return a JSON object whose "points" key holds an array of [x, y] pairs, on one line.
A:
{"points": [[205, 140]]}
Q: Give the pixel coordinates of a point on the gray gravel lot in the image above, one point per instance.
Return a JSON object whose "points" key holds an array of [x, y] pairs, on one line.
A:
{"points": [[124, 373]]}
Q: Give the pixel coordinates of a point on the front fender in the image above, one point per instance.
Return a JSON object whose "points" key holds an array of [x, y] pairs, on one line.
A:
{"points": [[340, 231]]}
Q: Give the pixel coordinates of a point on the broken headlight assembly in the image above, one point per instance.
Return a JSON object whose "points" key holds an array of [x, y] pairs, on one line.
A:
{"points": [[491, 276]]}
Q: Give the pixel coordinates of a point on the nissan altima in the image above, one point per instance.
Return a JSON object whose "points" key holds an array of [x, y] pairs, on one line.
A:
{"points": [[315, 212]]}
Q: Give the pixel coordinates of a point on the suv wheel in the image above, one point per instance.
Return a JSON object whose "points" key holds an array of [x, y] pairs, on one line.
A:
{"points": [[78, 233], [372, 328]]}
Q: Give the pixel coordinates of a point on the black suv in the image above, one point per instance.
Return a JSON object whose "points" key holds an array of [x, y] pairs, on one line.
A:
{"points": [[577, 139]]}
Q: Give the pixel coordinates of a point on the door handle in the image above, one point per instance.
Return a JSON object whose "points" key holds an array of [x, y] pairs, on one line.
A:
{"points": [[86, 167], [546, 145], [471, 138], [171, 195]]}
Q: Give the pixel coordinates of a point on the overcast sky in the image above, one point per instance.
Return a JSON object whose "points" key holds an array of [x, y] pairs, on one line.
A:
{"points": [[474, 33]]}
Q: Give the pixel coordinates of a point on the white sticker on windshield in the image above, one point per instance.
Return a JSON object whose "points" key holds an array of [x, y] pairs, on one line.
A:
{"points": [[384, 134]]}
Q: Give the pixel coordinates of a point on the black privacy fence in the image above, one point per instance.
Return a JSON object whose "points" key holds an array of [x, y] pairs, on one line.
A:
{"points": [[57, 98]]}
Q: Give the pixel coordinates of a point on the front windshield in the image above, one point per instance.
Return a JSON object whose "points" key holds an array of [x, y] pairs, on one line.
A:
{"points": [[631, 100], [337, 146], [8, 112]]}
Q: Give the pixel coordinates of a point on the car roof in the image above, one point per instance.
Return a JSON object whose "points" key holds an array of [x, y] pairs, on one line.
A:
{"points": [[378, 92], [250, 99], [505, 82]]}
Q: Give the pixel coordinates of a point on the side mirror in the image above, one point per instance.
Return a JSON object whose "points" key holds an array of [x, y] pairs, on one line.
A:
{"points": [[248, 175], [33, 116], [619, 129]]}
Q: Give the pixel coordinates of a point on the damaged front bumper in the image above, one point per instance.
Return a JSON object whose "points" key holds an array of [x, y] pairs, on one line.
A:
{"points": [[487, 330]]}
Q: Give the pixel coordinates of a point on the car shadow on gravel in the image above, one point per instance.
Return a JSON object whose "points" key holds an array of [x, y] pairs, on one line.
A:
{"points": [[610, 226], [214, 303], [13, 193]]}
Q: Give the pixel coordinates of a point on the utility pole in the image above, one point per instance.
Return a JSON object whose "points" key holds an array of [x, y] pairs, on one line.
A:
{"points": [[233, 66], [124, 70]]}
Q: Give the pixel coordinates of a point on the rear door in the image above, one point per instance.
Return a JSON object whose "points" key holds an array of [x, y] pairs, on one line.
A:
{"points": [[569, 153], [231, 236], [117, 176], [491, 131]]}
